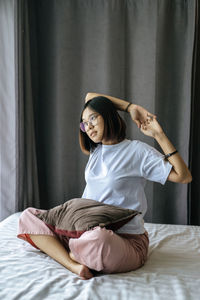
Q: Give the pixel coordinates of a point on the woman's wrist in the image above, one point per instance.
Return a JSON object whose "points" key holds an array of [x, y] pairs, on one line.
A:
{"points": [[159, 136], [131, 107], [164, 142]]}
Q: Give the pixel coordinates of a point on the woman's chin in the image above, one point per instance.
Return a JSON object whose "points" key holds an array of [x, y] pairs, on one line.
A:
{"points": [[95, 139]]}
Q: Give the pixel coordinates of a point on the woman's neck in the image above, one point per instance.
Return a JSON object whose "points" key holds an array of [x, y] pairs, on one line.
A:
{"points": [[111, 142]]}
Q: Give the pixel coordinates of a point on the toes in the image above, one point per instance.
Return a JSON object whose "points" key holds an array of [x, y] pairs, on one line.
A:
{"points": [[85, 273]]}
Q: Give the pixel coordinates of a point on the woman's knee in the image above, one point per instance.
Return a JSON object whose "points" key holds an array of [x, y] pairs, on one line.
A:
{"points": [[115, 253], [91, 247], [103, 235], [100, 249]]}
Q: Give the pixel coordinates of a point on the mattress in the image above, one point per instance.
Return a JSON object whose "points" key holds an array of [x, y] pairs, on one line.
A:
{"points": [[171, 272]]}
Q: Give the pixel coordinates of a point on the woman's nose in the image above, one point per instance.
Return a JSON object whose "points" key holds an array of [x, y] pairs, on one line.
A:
{"points": [[90, 125]]}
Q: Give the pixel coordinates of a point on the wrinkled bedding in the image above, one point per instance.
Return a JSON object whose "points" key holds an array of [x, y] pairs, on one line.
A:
{"points": [[171, 272]]}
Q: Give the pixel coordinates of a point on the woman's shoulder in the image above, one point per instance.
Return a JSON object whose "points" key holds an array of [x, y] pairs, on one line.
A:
{"points": [[140, 146], [126, 144]]}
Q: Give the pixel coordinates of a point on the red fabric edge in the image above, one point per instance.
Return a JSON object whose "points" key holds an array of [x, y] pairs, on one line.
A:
{"points": [[76, 234], [27, 238], [69, 234]]}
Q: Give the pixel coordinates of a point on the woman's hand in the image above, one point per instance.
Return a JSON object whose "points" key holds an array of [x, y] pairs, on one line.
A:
{"points": [[151, 127], [139, 114]]}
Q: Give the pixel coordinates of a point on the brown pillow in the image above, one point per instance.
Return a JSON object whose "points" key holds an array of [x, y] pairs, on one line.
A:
{"points": [[78, 215]]}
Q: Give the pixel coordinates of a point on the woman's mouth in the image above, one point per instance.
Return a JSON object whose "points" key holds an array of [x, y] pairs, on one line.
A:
{"points": [[93, 133]]}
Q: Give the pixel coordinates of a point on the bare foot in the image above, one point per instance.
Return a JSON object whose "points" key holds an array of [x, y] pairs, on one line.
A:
{"points": [[85, 273], [81, 270]]}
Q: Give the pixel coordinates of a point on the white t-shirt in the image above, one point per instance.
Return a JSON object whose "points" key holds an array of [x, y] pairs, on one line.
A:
{"points": [[116, 175]]}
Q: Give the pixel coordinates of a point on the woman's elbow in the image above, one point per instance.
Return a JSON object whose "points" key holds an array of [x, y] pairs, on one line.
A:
{"points": [[89, 96], [186, 179], [182, 177]]}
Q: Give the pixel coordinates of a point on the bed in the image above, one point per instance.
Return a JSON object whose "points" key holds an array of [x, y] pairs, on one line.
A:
{"points": [[171, 272]]}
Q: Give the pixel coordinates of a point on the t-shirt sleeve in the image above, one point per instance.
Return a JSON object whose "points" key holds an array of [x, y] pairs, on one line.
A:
{"points": [[154, 166]]}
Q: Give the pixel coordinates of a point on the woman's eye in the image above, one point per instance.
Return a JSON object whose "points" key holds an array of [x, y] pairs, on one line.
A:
{"points": [[92, 118], [85, 124]]}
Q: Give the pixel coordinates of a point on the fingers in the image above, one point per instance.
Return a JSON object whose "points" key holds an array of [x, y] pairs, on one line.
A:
{"points": [[139, 119], [151, 116], [148, 121], [138, 123], [143, 127]]}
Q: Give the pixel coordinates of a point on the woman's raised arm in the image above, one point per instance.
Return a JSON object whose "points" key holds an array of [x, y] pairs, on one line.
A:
{"points": [[137, 112], [180, 172]]}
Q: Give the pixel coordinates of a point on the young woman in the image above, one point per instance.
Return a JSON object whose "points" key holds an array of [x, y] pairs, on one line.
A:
{"points": [[115, 174]]}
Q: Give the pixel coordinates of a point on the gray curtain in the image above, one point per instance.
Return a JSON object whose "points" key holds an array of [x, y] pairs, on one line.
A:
{"points": [[138, 50], [8, 140], [194, 157], [27, 169]]}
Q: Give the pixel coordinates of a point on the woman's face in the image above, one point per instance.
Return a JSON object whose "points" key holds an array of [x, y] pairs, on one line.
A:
{"points": [[94, 125]]}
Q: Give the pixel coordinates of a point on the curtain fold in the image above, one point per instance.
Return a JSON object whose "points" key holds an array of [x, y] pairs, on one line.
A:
{"points": [[8, 138], [194, 158], [26, 174], [138, 50]]}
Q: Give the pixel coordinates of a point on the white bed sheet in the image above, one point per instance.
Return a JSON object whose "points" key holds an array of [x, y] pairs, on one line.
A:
{"points": [[171, 272]]}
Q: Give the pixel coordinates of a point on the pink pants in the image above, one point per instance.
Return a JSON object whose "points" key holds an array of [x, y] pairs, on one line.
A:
{"points": [[99, 249]]}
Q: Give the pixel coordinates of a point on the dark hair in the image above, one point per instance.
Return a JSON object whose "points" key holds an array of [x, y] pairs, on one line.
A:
{"points": [[114, 125]]}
